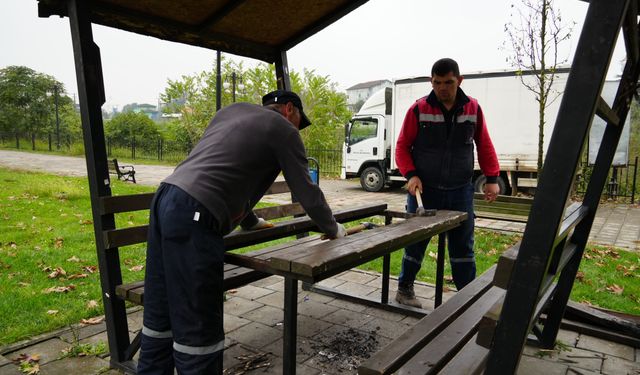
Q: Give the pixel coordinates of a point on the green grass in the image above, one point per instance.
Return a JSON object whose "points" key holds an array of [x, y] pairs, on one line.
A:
{"points": [[45, 225]]}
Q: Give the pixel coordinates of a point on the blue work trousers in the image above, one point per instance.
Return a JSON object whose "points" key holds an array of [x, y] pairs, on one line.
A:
{"points": [[182, 323], [459, 240]]}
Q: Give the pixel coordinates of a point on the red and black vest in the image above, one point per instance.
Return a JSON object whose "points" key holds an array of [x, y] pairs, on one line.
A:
{"points": [[443, 151]]}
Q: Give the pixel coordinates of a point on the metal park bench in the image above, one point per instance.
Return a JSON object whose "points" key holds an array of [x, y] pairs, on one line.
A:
{"points": [[124, 172]]}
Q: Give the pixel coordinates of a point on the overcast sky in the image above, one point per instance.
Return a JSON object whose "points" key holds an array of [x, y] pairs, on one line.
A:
{"points": [[383, 39]]}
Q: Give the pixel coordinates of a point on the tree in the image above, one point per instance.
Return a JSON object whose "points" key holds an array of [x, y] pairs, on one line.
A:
{"points": [[125, 128], [194, 98], [27, 103], [534, 44]]}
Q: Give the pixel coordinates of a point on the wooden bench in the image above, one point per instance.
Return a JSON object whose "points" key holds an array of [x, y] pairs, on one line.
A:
{"points": [[456, 338], [124, 172], [234, 276], [503, 208]]}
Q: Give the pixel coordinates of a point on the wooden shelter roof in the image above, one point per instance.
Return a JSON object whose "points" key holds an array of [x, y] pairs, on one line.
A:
{"points": [[258, 29]]}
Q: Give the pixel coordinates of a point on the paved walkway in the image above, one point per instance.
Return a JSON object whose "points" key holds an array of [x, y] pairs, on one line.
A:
{"points": [[253, 325], [616, 224]]}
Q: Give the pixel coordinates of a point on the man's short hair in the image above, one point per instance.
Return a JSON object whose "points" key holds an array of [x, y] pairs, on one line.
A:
{"points": [[444, 66]]}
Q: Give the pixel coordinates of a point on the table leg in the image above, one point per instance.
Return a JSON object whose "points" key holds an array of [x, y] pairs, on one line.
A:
{"points": [[386, 269], [440, 269], [290, 325]]}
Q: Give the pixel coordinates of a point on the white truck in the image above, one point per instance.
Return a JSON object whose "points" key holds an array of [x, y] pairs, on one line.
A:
{"points": [[511, 114]]}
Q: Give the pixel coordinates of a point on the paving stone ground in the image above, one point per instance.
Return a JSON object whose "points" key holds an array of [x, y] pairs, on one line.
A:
{"points": [[253, 325], [253, 313]]}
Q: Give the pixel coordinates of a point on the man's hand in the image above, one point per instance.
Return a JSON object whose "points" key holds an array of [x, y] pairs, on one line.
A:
{"points": [[491, 192], [261, 224], [342, 231], [414, 184]]}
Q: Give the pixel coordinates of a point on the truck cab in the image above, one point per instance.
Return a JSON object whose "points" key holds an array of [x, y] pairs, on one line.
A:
{"points": [[366, 149]]}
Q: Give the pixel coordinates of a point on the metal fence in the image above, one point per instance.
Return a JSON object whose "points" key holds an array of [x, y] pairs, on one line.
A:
{"points": [[330, 161], [622, 182]]}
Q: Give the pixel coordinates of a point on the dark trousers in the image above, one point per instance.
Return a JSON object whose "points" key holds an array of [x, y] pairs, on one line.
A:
{"points": [[460, 239], [183, 297]]}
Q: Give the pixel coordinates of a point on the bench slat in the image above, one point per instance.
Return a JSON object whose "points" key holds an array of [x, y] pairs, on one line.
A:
{"points": [[125, 203], [130, 236], [277, 212], [434, 356], [234, 277], [409, 343], [469, 361], [278, 187]]}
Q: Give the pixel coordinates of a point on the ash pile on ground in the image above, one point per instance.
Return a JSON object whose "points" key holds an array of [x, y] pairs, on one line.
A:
{"points": [[347, 349]]}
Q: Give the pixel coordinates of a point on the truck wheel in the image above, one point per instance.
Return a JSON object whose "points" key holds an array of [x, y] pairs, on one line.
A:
{"points": [[372, 179], [482, 179]]}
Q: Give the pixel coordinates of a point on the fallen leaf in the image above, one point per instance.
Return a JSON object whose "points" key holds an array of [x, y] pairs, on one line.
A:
{"points": [[615, 289], [232, 291], [58, 242], [13, 245], [90, 269], [73, 259], [92, 304], [57, 272], [136, 268], [92, 321], [52, 312], [23, 284], [49, 229], [580, 276], [77, 276], [86, 222], [59, 289], [433, 255], [37, 248]]}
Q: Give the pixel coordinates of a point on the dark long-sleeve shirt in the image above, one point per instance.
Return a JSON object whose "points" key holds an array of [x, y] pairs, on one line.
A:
{"points": [[241, 153]]}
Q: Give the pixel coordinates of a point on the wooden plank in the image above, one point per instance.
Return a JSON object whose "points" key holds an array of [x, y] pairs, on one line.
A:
{"points": [[236, 239], [287, 228], [580, 312], [390, 358], [278, 187], [479, 197], [505, 265], [259, 260], [504, 217], [333, 254], [136, 202], [489, 321], [125, 236], [469, 361], [280, 211], [435, 355], [125, 203], [606, 113]]}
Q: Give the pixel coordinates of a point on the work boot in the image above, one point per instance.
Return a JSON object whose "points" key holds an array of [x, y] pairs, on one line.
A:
{"points": [[406, 296]]}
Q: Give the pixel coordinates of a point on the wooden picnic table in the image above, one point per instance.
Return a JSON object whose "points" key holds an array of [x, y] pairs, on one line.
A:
{"points": [[311, 259]]}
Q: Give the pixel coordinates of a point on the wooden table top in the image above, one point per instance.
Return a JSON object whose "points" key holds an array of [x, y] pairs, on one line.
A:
{"points": [[312, 259]]}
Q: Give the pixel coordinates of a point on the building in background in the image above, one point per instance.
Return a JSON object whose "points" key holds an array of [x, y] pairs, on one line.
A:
{"points": [[358, 94]]}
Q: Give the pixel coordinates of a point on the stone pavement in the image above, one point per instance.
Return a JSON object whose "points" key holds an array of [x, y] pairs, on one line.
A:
{"points": [[615, 224], [253, 325]]}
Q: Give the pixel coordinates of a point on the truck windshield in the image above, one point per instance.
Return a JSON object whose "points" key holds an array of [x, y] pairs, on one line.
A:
{"points": [[362, 129]]}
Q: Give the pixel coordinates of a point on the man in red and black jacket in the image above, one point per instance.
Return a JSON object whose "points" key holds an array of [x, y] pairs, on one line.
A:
{"points": [[435, 154]]}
